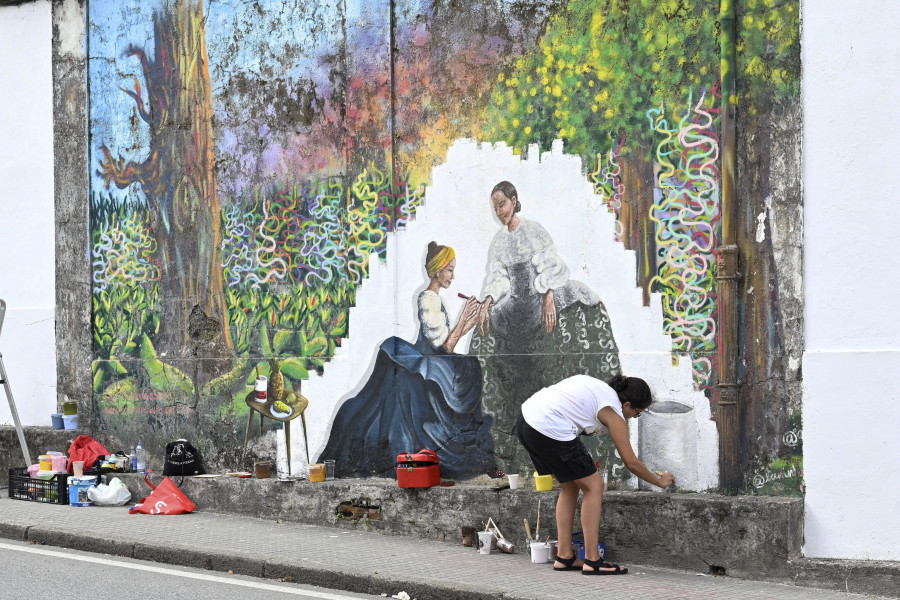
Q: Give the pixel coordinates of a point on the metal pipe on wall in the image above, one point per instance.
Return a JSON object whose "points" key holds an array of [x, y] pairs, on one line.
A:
{"points": [[728, 276]]}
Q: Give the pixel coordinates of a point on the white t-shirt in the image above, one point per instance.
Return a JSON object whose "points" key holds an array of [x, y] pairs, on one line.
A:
{"points": [[568, 408]]}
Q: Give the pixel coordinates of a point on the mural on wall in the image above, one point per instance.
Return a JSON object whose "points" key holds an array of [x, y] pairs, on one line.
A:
{"points": [[263, 156], [420, 395]]}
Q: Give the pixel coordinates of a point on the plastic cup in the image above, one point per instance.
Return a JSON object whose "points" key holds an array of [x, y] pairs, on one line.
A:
{"points": [[317, 472], [513, 481], [329, 470], [543, 483], [78, 468], [484, 542], [57, 420]]}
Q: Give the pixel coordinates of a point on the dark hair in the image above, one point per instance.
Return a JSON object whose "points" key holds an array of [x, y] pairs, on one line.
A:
{"points": [[508, 190], [632, 389]]}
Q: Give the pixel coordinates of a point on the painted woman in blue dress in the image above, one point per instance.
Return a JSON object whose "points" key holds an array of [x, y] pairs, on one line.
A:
{"points": [[420, 395]]}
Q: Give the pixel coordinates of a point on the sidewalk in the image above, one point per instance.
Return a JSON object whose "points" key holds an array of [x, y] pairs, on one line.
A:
{"points": [[353, 561]]}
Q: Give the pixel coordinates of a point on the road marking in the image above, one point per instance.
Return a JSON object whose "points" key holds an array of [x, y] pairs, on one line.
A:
{"points": [[166, 571]]}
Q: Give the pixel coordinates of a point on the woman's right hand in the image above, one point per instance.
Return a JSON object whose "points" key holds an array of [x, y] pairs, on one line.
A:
{"points": [[484, 315], [470, 315], [665, 480]]}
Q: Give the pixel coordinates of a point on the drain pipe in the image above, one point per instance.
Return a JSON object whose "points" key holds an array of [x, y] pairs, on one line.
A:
{"points": [[728, 277]]}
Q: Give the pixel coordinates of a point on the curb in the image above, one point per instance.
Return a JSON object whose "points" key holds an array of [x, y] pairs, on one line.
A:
{"points": [[230, 563]]}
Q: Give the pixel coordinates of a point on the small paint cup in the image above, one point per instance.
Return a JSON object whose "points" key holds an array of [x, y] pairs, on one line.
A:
{"points": [[262, 388], [514, 480], [484, 542], [543, 483], [70, 421], [57, 420], [317, 472], [78, 468]]}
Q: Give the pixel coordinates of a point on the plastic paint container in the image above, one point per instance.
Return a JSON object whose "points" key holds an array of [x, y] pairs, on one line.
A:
{"points": [[70, 407], [540, 552], [70, 421], [78, 490], [46, 462], [579, 546], [60, 463], [57, 420], [543, 483], [317, 472]]}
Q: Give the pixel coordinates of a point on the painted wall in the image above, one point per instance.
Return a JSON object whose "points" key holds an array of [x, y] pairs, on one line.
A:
{"points": [[27, 258], [265, 179], [853, 340]]}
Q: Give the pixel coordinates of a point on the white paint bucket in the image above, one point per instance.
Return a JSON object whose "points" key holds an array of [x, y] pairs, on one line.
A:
{"points": [[540, 552]]}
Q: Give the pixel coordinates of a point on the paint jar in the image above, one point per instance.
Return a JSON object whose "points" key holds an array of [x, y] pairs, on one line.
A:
{"points": [[60, 462], [329, 470], [263, 469], [484, 542], [70, 421], [262, 388], [56, 419], [468, 535], [317, 472], [543, 483], [540, 552], [46, 462]]}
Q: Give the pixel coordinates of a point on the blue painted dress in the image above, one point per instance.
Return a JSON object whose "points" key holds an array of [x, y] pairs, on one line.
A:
{"points": [[418, 396]]}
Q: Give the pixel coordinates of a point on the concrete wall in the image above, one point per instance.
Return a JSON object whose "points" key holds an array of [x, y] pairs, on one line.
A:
{"points": [[853, 337], [27, 230]]}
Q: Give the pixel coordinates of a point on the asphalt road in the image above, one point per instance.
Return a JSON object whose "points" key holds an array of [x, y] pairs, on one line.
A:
{"points": [[42, 572]]}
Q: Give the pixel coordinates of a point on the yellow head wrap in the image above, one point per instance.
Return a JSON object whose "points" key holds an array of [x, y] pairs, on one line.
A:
{"points": [[440, 260]]}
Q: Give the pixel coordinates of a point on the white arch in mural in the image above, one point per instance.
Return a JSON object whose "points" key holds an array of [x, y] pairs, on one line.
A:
{"points": [[555, 192]]}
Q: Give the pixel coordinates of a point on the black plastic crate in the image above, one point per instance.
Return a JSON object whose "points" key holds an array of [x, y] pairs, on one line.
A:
{"points": [[51, 491]]}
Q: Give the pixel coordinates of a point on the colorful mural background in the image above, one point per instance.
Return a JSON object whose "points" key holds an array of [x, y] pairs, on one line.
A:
{"points": [[250, 162]]}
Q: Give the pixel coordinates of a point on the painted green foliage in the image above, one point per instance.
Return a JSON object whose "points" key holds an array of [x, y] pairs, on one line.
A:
{"points": [[600, 66], [292, 263]]}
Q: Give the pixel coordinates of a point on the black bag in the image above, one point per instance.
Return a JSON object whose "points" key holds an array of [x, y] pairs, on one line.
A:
{"points": [[182, 459]]}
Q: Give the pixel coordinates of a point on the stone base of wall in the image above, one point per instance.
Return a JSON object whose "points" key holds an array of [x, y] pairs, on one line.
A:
{"points": [[749, 537]]}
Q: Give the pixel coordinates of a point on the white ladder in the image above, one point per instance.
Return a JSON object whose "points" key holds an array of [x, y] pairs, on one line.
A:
{"points": [[12, 404]]}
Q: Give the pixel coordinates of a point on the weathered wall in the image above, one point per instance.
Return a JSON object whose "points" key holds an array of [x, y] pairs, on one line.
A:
{"points": [[852, 337], [249, 163], [26, 212]]}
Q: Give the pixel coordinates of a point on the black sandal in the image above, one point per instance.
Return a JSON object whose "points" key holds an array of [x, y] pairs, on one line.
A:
{"points": [[569, 562], [596, 565]]}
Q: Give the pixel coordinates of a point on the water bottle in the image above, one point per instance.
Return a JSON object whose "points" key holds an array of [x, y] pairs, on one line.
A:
{"points": [[133, 461], [140, 457]]}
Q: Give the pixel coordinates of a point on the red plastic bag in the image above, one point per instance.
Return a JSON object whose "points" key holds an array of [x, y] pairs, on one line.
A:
{"points": [[165, 499], [86, 448]]}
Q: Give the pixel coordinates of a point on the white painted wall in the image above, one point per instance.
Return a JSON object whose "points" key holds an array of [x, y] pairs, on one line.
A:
{"points": [[851, 427], [27, 231]]}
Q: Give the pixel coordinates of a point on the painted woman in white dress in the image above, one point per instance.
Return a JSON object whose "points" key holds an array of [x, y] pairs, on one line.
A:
{"points": [[420, 395], [537, 326]]}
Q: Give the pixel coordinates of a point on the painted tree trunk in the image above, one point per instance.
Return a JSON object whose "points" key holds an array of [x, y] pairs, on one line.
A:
{"points": [[638, 229], [179, 179]]}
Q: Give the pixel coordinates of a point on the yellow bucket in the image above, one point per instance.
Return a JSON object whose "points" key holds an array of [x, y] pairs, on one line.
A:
{"points": [[543, 483], [317, 472], [46, 462]]}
